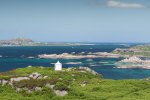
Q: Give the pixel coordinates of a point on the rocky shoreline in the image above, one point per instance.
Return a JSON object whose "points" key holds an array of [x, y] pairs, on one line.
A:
{"points": [[80, 55], [133, 62]]}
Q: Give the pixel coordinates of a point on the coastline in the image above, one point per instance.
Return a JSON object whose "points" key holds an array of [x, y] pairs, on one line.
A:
{"points": [[80, 55]]}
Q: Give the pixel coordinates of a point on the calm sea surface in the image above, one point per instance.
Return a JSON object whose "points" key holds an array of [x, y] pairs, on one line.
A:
{"points": [[18, 57]]}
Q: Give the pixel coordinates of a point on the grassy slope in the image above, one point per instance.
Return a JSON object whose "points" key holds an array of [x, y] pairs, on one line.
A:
{"points": [[97, 88]]}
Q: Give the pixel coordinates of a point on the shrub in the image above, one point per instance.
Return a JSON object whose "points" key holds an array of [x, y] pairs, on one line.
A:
{"points": [[61, 86], [31, 84], [96, 89], [53, 81]]}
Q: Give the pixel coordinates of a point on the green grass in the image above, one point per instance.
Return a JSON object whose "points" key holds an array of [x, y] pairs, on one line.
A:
{"points": [[97, 88]]}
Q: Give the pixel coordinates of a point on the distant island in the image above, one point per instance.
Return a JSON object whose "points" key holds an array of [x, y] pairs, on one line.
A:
{"points": [[80, 55], [138, 50], [30, 42], [135, 57], [17, 42]]}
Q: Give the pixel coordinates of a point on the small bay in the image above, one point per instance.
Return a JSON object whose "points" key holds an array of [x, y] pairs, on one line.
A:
{"points": [[23, 56]]}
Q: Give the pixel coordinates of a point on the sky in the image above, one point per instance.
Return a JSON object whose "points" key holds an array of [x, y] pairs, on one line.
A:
{"points": [[76, 20]]}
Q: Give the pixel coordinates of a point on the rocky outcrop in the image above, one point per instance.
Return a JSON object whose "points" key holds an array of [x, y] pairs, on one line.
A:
{"points": [[133, 62], [84, 83], [80, 55], [38, 89], [37, 82], [17, 79], [45, 77], [60, 93], [132, 59], [35, 75], [135, 59], [4, 82], [50, 86], [89, 70]]}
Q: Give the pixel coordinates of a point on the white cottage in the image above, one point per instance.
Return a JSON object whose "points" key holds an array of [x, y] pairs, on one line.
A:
{"points": [[58, 66]]}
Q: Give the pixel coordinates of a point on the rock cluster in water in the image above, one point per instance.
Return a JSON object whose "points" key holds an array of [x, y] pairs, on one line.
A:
{"points": [[132, 59], [80, 55], [133, 62]]}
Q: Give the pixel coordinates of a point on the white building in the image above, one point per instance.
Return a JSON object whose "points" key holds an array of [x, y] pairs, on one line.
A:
{"points": [[58, 66]]}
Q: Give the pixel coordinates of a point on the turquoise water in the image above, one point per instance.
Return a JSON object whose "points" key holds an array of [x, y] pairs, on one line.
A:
{"points": [[17, 57]]}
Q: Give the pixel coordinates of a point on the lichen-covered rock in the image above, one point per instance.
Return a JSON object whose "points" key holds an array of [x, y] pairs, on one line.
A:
{"points": [[60, 93], [29, 91], [18, 89], [60, 79], [38, 89], [0, 81], [4, 82], [11, 84], [17, 79], [25, 88], [29, 66], [89, 70], [45, 77], [50, 86], [83, 85], [41, 67], [35, 75]]}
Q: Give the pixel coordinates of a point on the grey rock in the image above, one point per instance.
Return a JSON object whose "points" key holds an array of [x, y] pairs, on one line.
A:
{"points": [[60, 79], [83, 85], [0, 81], [29, 66], [4, 82], [17, 79], [18, 89], [38, 89], [25, 88], [60, 93], [45, 77], [89, 70], [50, 86], [29, 91], [35, 75]]}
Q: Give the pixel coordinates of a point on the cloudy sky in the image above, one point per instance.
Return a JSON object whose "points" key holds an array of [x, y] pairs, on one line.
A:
{"points": [[76, 20]]}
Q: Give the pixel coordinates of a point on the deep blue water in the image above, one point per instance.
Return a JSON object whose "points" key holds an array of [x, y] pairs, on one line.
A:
{"points": [[17, 57]]}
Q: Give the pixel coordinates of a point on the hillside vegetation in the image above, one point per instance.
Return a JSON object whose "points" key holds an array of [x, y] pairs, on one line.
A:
{"points": [[79, 84]]}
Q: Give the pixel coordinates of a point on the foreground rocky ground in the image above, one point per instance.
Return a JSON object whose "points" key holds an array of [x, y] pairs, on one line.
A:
{"points": [[43, 83]]}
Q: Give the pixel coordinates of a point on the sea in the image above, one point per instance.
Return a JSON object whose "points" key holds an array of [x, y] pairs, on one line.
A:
{"points": [[12, 57]]}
